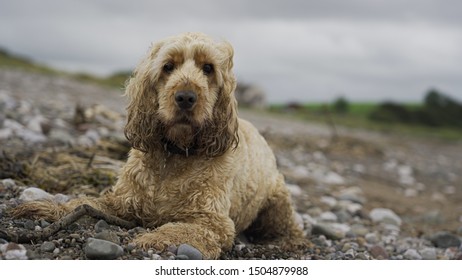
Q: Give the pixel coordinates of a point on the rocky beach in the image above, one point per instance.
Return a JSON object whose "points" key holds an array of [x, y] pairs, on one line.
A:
{"points": [[358, 194]]}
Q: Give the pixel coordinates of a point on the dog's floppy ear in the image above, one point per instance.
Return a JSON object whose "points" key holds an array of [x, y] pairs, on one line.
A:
{"points": [[140, 129], [222, 133]]}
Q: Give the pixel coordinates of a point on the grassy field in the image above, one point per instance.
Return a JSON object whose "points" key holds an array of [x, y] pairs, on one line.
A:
{"points": [[357, 116]]}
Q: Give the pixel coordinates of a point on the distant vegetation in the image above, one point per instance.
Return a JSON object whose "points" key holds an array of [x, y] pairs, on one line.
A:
{"points": [[9, 60], [437, 115], [437, 110]]}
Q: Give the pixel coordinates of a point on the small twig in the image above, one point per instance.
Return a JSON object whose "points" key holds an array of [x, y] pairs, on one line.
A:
{"points": [[77, 213]]}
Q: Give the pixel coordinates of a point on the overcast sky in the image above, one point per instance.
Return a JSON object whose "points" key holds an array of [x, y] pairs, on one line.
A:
{"points": [[300, 50]]}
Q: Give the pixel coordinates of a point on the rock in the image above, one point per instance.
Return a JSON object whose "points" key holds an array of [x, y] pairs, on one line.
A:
{"points": [[294, 190], [359, 230], [329, 200], [29, 224], [239, 247], [32, 193], [334, 231], [13, 251], [428, 253], [378, 252], [44, 223], [189, 251], [47, 246], [102, 249], [353, 194], [6, 133], [8, 183], [332, 178], [181, 257], [327, 217], [101, 225], [62, 136], [172, 249], [383, 215], [371, 238], [412, 254], [61, 198], [108, 236], [445, 240], [38, 124]]}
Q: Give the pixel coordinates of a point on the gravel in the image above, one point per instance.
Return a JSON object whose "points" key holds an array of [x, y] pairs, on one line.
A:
{"points": [[361, 196]]}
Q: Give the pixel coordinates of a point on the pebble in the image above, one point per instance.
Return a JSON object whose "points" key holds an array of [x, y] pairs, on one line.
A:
{"points": [[44, 223], [371, 238], [239, 247], [13, 251], [108, 236], [102, 249], [412, 254], [8, 183], [101, 225], [33, 193], [29, 224], [47, 246], [383, 215], [353, 194], [332, 178], [294, 190], [428, 253], [334, 231], [445, 240], [378, 252], [327, 217], [359, 230], [329, 200], [189, 251]]}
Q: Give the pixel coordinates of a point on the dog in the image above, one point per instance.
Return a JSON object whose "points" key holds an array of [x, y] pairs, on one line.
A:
{"points": [[196, 173]]}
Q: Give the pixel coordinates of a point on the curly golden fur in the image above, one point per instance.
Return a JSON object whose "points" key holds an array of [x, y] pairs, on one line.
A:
{"points": [[196, 174]]}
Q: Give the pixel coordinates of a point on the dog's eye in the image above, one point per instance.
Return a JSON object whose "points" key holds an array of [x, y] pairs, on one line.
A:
{"points": [[207, 68], [169, 67]]}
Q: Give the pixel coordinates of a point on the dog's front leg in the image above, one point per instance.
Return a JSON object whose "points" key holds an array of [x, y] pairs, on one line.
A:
{"points": [[209, 233]]}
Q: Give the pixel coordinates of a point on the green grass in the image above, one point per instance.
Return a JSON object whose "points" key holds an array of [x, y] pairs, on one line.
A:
{"points": [[357, 117]]}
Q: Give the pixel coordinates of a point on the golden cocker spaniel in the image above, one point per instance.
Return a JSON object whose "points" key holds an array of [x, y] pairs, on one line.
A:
{"points": [[196, 174]]}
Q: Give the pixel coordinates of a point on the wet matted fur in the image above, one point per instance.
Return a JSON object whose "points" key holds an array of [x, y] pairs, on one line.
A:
{"points": [[197, 175]]}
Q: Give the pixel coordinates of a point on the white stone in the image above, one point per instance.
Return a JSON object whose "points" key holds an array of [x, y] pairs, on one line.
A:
{"points": [[32, 193], [294, 190], [329, 200], [35, 123], [428, 253], [12, 251], [327, 217], [333, 178], [412, 254], [61, 198], [383, 215], [6, 133]]}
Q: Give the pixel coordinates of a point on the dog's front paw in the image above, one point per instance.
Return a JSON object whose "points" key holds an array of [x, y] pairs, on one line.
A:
{"points": [[180, 234]]}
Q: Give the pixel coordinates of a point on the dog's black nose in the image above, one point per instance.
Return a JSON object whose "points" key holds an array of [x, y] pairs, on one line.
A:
{"points": [[185, 99]]}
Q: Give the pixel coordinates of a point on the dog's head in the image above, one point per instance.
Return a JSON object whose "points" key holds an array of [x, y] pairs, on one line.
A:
{"points": [[182, 94]]}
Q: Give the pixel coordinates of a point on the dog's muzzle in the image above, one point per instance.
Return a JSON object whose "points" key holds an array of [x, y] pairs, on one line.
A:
{"points": [[185, 99]]}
